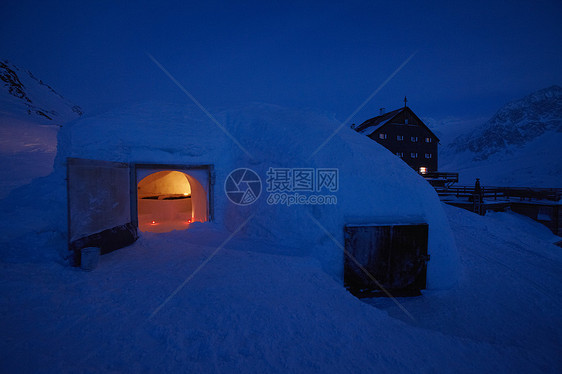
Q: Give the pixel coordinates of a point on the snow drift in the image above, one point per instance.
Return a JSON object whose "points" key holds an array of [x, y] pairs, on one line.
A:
{"points": [[374, 185]]}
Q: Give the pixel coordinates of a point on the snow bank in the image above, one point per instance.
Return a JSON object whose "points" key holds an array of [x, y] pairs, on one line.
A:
{"points": [[374, 185]]}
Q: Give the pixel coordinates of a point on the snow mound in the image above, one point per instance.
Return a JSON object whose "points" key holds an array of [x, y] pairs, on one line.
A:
{"points": [[374, 185]]}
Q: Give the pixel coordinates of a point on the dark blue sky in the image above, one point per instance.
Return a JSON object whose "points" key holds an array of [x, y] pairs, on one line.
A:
{"points": [[472, 57]]}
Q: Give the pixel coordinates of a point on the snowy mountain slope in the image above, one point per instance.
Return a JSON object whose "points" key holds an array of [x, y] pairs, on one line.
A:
{"points": [[31, 113], [248, 311], [24, 96], [536, 164], [519, 145], [449, 128], [514, 125]]}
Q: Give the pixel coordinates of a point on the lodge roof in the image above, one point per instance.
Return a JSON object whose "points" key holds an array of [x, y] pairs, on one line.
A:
{"points": [[375, 123], [371, 125]]}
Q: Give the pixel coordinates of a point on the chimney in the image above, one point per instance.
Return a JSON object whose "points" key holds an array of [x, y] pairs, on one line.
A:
{"points": [[381, 111]]}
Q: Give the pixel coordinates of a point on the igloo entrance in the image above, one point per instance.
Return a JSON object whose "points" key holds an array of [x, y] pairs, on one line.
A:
{"points": [[109, 201], [170, 200]]}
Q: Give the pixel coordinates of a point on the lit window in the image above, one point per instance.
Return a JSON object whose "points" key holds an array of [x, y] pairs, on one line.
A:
{"points": [[414, 138], [423, 170], [399, 137], [400, 154], [382, 136], [413, 155], [428, 140], [428, 155]]}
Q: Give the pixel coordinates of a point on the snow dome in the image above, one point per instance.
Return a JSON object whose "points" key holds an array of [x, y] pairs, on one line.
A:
{"points": [[199, 153]]}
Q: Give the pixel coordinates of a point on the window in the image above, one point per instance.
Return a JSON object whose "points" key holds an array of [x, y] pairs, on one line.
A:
{"points": [[399, 137], [406, 121], [413, 155], [400, 154], [428, 140], [382, 136], [414, 138], [428, 155]]}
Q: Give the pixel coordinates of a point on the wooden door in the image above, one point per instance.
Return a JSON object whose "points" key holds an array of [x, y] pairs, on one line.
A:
{"points": [[395, 255], [99, 205]]}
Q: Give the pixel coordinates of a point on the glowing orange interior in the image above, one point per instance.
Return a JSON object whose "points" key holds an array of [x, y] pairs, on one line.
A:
{"points": [[166, 202]]}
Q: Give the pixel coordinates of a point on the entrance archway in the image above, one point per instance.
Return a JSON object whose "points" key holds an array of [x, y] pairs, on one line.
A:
{"points": [[170, 200]]}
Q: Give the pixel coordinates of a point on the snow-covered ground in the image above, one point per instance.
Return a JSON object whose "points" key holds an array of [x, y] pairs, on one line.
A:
{"points": [[536, 164], [247, 311]]}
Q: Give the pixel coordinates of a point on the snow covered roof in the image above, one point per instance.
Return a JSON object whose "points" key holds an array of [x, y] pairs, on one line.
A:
{"points": [[371, 125]]}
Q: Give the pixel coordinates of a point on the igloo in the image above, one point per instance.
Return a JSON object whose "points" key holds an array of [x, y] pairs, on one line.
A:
{"points": [[162, 167]]}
